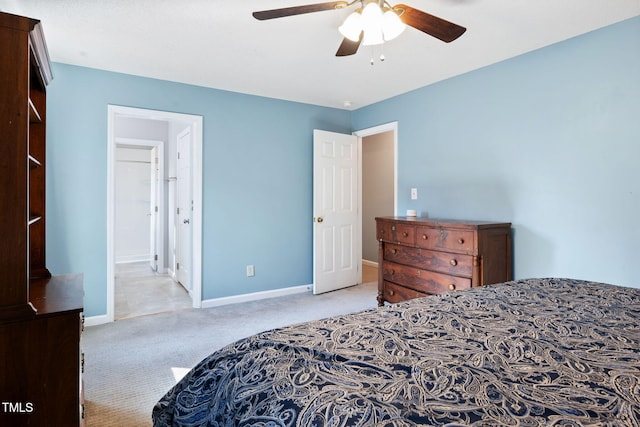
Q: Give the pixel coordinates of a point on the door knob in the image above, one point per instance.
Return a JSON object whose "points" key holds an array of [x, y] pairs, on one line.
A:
{"points": [[320, 219], [186, 221]]}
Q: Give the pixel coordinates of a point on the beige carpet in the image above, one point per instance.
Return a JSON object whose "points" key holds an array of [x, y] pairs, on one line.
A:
{"points": [[130, 364]]}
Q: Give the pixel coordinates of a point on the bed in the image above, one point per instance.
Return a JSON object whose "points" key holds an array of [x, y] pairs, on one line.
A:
{"points": [[537, 352]]}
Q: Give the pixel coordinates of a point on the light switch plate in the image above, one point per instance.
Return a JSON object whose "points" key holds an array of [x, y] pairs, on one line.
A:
{"points": [[414, 194]]}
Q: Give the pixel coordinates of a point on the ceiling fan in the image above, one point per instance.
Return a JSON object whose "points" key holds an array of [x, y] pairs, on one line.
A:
{"points": [[429, 24]]}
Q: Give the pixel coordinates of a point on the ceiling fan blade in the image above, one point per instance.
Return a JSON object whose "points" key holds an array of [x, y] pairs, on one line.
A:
{"points": [[348, 47], [298, 10], [432, 25]]}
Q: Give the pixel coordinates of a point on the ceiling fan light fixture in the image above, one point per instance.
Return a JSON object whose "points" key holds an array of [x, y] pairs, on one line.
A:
{"points": [[386, 23], [352, 26]]}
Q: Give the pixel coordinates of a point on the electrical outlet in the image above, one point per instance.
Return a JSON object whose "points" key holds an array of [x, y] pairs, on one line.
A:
{"points": [[250, 271], [414, 194]]}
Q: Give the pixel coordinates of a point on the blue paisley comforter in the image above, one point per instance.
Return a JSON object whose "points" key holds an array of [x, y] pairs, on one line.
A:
{"points": [[547, 352]]}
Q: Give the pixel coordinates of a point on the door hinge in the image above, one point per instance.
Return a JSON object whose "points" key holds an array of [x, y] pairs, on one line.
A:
{"points": [[155, 257], [178, 266], [177, 211], [156, 209]]}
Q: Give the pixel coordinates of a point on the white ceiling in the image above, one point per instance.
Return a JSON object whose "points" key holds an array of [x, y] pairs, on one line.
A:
{"points": [[218, 44]]}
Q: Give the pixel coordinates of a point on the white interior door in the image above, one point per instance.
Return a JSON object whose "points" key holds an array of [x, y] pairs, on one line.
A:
{"points": [[184, 210], [336, 230], [132, 204], [153, 210]]}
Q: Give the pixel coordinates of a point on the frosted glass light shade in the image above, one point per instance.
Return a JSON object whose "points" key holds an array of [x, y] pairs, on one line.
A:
{"points": [[372, 25], [392, 26], [375, 26], [352, 27], [372, 38]]}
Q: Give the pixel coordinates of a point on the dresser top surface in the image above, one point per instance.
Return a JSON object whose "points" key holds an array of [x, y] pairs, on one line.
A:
{"points": [[443, 222], [57, 294]]}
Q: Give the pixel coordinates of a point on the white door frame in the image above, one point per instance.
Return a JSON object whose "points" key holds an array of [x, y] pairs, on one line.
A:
{"points": [[182, 273], [196, 128]]}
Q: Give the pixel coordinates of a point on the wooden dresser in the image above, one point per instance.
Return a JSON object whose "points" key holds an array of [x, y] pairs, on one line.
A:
{"points": [[421, 256], [40, 314]]}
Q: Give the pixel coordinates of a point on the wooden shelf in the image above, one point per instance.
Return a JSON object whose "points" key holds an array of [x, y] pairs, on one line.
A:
{"points": [[34, 163], [34, 115], [34, 218]]}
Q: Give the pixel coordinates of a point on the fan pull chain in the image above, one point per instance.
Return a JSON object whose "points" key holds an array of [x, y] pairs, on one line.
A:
{"points": [[381, 57]]}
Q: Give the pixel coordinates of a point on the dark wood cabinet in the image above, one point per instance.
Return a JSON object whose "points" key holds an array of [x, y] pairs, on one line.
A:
{"points": [[40, 315], [420, 256]]}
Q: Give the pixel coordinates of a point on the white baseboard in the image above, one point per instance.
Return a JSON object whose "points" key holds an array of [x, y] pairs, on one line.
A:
{"points": [[96, 320], [127, 259], [216, 302], [369, 263]]}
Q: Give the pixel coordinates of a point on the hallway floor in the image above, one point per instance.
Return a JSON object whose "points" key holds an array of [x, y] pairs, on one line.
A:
{"points": [[369, 273], [140, 291]]}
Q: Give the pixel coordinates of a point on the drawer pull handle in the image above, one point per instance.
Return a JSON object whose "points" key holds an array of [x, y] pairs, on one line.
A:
{"points": [[393, 228], [391, 292], [452, 287], [405, 234], [394, 251], [453, 262], [461, 240], [425, 237], [392, 272]]}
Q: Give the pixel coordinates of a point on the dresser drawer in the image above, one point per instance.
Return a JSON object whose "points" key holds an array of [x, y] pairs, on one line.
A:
{"points": [[405, 234], [444, 262], [445, 239], [384, 231], [393, 232], [395, 293], [425, 281]]}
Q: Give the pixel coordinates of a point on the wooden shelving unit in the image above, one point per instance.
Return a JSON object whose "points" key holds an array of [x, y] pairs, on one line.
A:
{"points": [[40, 315]]}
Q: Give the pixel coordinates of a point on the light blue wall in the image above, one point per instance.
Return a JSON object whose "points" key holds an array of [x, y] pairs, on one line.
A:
{"points": [[257, 179], [549, 141]]}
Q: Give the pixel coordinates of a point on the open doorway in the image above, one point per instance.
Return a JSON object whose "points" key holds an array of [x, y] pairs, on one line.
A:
{"points": [[142, 284], [379, 184], [136, 138]]}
